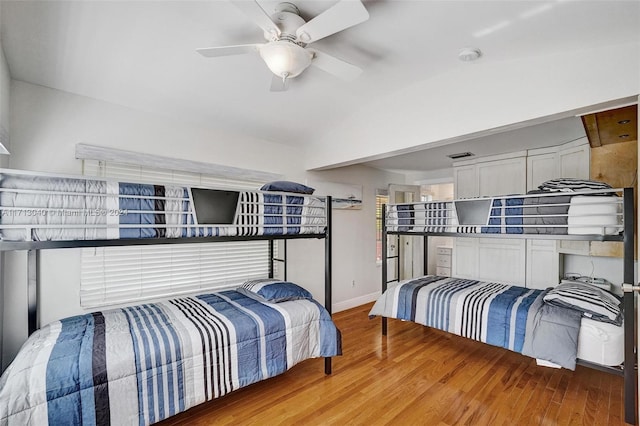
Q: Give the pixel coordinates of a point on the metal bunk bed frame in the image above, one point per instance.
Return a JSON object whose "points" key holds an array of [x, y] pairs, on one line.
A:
{"points": [[629, 298], [33, 249]]}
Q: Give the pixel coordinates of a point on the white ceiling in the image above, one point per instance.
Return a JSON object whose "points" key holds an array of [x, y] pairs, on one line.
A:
{"points": [[141, 54]]}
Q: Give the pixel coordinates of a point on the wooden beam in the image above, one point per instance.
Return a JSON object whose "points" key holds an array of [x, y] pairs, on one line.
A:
{"points": [[590, 124]]}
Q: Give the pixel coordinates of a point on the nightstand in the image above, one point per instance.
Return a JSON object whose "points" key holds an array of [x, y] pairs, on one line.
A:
{"points": [[443, 261]]}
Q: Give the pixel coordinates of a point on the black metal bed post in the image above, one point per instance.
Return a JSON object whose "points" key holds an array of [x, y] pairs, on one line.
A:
{"points": [[327, 272], [629, 297], [270, 258], [384, 261], [284, 261], [425, 254], [33, 288]]}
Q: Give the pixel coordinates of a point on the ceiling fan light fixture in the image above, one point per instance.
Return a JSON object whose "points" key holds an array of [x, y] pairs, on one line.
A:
{"points": [[285, 59]]}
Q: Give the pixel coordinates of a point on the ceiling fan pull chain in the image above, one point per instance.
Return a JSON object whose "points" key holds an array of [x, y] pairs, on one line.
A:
{"points": [[284, 77]]}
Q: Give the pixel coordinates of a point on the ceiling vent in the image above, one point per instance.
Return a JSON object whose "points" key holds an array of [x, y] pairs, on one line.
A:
{"points": [[460, 155]]}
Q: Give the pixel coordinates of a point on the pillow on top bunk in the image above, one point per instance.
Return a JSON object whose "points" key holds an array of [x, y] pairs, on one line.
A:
{"points": [[572, 185], [593, 302], [272, 290], [286, 186]]}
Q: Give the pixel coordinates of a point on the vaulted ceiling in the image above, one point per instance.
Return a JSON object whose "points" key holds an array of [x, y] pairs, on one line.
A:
{"points": [[141, 54]]}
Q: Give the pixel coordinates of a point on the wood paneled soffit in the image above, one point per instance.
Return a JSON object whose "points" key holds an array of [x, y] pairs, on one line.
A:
{"points": [[612, 126]]}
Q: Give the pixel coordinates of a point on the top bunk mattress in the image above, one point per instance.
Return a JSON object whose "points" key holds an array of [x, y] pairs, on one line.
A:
{"points": [[592, 212], [38, 208]]}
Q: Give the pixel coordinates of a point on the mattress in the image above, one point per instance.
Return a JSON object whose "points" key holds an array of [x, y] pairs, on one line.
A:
{"points": [[601, 343], [35, 208], [555, 214], [492, 313], [141, 364], [511, 317]]}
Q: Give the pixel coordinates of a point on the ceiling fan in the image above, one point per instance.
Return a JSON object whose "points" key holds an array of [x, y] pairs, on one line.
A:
{"points": [[287, 36]]}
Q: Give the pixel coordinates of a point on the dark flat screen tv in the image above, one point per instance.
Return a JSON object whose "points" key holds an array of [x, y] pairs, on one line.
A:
{"points": [[214, 206], [473, 212]]}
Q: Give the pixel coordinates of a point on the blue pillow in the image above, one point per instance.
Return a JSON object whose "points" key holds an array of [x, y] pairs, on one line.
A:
{"points": [[274, 291], [286, 186]]}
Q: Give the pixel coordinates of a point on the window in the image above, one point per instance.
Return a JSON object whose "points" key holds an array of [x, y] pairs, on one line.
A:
{"points": [[382, 197], [113, 275]]}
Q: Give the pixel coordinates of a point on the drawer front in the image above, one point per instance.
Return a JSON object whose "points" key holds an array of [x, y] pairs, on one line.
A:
{"points": [[446, 251], [444, 272], [444, 261]]}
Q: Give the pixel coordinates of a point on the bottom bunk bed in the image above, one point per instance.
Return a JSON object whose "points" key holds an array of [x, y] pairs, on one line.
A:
{"points": [[142, 364], [543, 324]]}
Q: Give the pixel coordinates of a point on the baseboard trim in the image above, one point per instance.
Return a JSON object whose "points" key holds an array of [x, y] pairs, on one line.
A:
{"points": [[356, 301]]}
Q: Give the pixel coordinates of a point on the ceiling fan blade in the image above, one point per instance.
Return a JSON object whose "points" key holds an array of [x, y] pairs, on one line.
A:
{"points": [[278, 85], [212, 52], [335, 66], [344, 14], [256, 13]]}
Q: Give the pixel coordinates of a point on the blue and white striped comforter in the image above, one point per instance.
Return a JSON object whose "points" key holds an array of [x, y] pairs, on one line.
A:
{"points": [[489, 312], [141, 364]]}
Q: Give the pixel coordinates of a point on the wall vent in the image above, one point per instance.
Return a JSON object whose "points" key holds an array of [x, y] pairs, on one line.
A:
{"points": [[460, 155]]}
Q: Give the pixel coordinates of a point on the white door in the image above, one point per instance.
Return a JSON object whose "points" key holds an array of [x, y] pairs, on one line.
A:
{"points": [[410, 248]]}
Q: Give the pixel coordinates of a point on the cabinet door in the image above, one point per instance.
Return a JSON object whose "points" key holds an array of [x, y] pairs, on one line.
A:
{"points": [[541, 168], [502, 177], [543, 264], [502, 260], [465, 258], [574, 162], [465, 181]]}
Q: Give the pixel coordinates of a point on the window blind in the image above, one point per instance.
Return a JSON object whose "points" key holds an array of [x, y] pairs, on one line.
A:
{"points": [[114, 275], [382, 197]]}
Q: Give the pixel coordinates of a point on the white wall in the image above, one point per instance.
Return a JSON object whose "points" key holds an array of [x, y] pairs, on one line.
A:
{"points": [[356, 275], [5, 87], [46, 125], [609, 268], [476, 98]]}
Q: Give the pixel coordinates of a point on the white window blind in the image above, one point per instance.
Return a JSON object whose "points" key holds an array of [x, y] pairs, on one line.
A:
{"points": [[382, 197], [114, 275]]}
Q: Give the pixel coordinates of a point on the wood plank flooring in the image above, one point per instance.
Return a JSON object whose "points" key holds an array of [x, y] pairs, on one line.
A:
{"points": [[418, 376]]}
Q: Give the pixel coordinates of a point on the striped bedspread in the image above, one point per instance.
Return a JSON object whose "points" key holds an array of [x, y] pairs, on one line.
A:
{"points": [[44, 209], [141, 364], [489, 312]]}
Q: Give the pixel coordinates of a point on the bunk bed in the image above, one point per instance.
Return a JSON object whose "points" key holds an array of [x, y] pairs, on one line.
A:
{"points": [[141, 364], [551, 325]]}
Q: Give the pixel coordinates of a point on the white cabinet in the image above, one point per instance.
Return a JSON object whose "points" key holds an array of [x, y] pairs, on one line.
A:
{"points": [[574, 162], [540, 168], [487, 176], [443, 261], [465, 258], [568, 160], [494, 259], [534, 263], [543, 264], [465, 181], [502, 260], [490, 259], [502, 177]]}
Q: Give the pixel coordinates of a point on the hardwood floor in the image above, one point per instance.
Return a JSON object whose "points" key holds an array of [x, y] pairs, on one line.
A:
{"points": [[417, 375]]}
